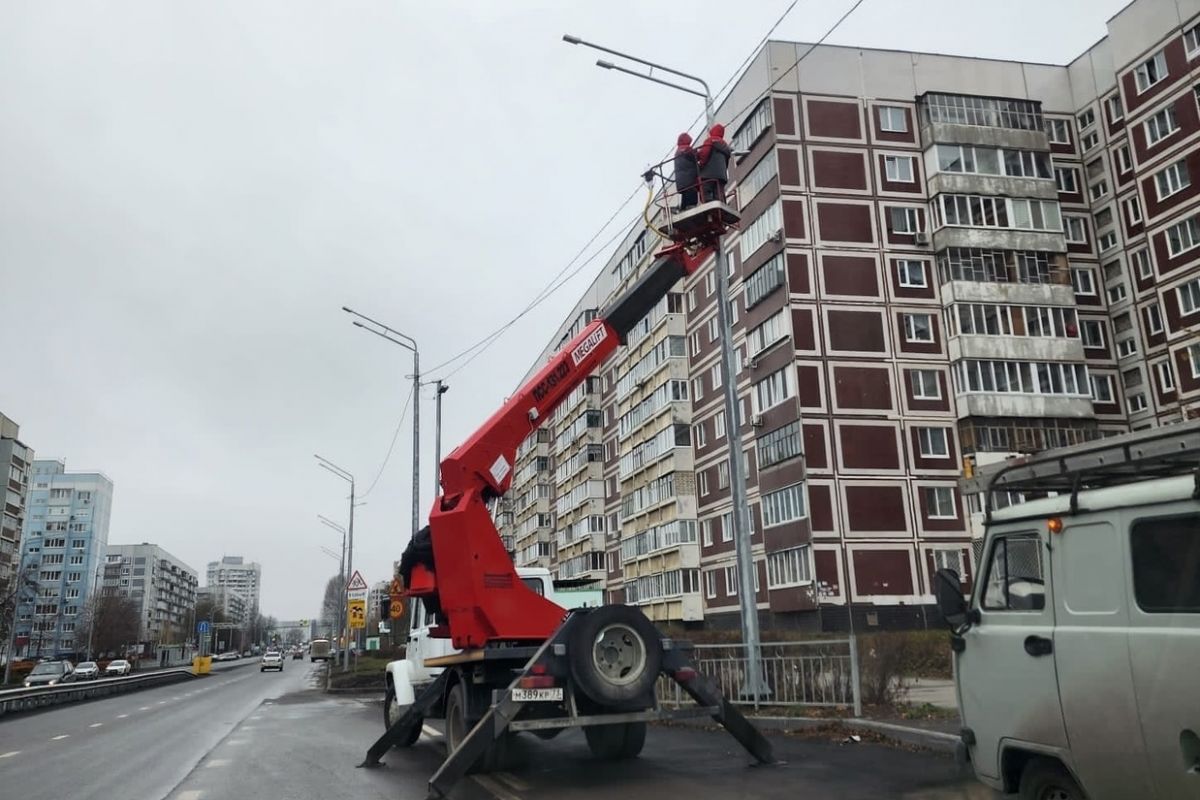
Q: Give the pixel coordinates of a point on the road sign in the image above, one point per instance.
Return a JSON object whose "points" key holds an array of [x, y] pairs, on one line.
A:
{"points": [[396, 609], [357, 584], [357, 613], [202, 626], [396, 588]]}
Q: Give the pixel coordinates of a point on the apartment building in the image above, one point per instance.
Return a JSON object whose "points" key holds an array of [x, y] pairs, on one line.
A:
{"points": [[243, 577], [15, 460], [62, 545], [941, 261], [162, 585], [232, 603]]}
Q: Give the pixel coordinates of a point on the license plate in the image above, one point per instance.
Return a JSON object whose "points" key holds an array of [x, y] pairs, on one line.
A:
{"points": [[538, 695]]}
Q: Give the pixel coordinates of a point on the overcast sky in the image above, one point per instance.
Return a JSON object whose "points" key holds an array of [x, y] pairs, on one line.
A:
{"points": [[189, 192]]}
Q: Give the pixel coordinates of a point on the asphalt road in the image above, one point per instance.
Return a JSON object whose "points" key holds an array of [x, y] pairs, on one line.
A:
{"points": [[138, 745]]}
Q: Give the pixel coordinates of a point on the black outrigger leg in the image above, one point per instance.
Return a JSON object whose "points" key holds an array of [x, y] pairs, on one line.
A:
{"points": [[402, 730]]}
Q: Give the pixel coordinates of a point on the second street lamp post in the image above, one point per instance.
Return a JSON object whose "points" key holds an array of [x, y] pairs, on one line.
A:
{"points": [[441, 389], [342, 599], [747, 597], [346, 476]]}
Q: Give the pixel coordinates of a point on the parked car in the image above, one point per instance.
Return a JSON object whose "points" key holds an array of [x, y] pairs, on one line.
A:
{"points": [[272, 659], [50, 673], [87, 671], [228, 656], [118, 667]]}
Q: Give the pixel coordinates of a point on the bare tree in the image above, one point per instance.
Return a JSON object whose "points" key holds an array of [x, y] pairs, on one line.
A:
{"points": [[21, 586], [331, 608], [112, 620]]}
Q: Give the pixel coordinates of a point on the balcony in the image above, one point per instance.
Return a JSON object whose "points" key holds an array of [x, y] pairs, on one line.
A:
{"points": [[1021, 348]]}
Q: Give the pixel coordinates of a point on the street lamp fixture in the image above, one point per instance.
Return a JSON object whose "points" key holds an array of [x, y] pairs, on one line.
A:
{"points": [[349, 478], [747, 599]]}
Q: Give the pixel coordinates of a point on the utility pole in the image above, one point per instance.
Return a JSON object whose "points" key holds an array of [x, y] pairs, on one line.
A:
{"points": [[442, 388], [346, 476]]}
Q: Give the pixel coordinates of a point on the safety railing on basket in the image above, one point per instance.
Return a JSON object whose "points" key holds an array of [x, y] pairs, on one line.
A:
{"points": [[671, 201], [806, 673]]}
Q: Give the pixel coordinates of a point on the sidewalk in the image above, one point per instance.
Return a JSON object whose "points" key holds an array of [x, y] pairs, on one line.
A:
{"points": [[934, 691]]}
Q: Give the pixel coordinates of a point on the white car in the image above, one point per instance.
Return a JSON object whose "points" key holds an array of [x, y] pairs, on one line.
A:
{"points": [[87, 671], [118, 667], [272, 659]]}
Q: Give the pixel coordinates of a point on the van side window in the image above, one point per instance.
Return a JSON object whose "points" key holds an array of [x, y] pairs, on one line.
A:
{"points": [[1166, 564], [1015, 578], [534, 584]]}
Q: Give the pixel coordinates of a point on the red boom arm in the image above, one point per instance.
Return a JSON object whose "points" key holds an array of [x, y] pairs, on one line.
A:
{"points": [[482, 598]]}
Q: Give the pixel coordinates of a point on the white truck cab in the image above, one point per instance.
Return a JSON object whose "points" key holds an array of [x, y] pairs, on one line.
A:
{"points": [[1077, 653]]}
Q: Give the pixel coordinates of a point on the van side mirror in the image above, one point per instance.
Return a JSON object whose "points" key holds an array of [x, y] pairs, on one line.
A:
{"points": [[947, 590]]}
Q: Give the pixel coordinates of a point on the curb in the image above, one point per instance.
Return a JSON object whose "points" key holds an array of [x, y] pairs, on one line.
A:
{"points": [[378, 691], [938, 741]]}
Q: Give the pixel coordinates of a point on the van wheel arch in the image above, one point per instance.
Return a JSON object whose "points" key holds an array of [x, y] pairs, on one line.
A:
{"points": [[1016, 761]]}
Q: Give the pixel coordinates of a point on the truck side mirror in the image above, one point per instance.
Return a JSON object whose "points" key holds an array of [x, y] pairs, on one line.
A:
{"points": [[947, 589]]}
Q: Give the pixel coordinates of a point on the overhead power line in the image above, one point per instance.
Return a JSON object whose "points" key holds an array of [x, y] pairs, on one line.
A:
{"points": [[392, 446]]}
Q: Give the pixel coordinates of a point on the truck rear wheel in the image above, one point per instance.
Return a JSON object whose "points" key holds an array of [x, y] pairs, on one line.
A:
{"points": [[1047, 779], [391, 715], [458, 725], [612, 742], [615, 656]]}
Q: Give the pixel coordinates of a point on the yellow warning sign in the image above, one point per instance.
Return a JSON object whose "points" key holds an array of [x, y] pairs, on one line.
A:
{"points": [[357, 613]]}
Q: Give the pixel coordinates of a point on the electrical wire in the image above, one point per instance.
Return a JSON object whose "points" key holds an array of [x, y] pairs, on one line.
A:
{"points": [[392, 446]]}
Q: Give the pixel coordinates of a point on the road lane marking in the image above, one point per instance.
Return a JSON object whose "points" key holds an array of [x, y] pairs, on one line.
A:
{"points": [[176, 697], [512, 781], [494, 788], [162, 702], [235, 742], [257, 716], [144, 708], [190, 794], [95, 725], [122, 716], [60, 736], [219, 762], [9, 754], [431, 731]]}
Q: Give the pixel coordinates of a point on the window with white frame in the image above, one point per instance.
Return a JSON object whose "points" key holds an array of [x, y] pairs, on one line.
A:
{"points": [[1189, 297], [710, 284], [1098, 190], [1116, 293], [911, 274], [1124, 159], [714, 376], [699, 435], [1102, 388], [1107, 241], [926, 384], [1174, 178], [893, 119], [1116, 110], [1166, 376], [702, 481], [1137, 402], [706, 532], [898, 169], [945, 558], [772, 330], [903, 220], [697, 388], [1058, 131], [1150, 71], [1191, 41], [1075, 230], [774, 389], [1126, 347], [918, 328], [731, 582], [1089, 140], [723, 475], [1154, 319], [756, 234], [710, 583], [719, 424], [1142, 263], [1193, 352], [783, 506], [713, 329], [1066, 179], [939, 500], [933, 442], [1183, 236], [1083, 281], [1086, 120], [789, 568], [1133, 210], [1160, 125], [1021, 377], [758, 178]]}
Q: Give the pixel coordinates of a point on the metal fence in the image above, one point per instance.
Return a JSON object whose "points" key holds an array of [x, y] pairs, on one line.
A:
{"points": [[806, 673]]}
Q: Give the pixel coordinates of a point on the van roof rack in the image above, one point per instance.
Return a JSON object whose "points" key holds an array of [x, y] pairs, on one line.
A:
{"points": [[1126, 458]]}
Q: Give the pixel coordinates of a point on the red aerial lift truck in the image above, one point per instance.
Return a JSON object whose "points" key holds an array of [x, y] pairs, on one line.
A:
{"points": [[600, 665]]}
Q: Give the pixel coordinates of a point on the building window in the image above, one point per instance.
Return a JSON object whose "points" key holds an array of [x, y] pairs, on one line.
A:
{"points": [[1090, 140], [1191, 41], [933, 442], [1115, 110], [1173, 179], [1189, 297], [898, 169], [1116, 293], [702, 482], [912, 274], [723, 475], [757, 179], [1133, 210], [1150, 71], [940, 502], [710, 284], [1075, 230], [719, 425], [713, 330], [903, 220], [1124, 160], [1102, 388], [699, 435], [893, 119], [789, 568], [1082, 281], [1099, 190], [1142, 263], [731, 582], [926, 384], [710, 583], [1092, 331], [1066, 180], [765, 280], [714, 376], [1166, 377], [756, 234], [1137, 402], [1086, 120], [772, 330], [1154, 320], [779, 445], [773, 389], [1107, 241], [1058, 131], [694, 343], [918, 328], [1126, 348], [1160, 126], [1194, 359], [697, 388], [783, 506]]}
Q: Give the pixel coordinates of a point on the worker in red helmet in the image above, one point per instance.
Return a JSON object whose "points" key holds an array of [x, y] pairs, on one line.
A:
{"points": [[714, 157], [687, 172]]}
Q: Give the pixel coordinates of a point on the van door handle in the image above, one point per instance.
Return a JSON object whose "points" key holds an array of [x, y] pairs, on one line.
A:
{"points": [[1038, 646]]}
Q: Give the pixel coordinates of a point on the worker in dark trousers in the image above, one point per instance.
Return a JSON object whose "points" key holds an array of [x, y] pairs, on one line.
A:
{"points": [[687, 172], [714, 157]]}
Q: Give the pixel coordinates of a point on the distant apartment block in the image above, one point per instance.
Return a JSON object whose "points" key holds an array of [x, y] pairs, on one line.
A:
{"points": [[942, 261], [62, 547], [15, 460], [232, 604], [162, 585], [241, 576]]}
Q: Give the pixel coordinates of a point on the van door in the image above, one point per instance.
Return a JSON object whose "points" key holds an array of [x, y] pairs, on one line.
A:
{"points": [[1164, 647], [1091, 652], [1006, 680], [418, 636]]}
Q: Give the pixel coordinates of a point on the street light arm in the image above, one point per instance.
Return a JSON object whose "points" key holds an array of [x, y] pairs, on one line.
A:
{"points": [[335, 472], [334, 468], [332, 524], [385, 336], [609, 65], [412, 343], [569, 39]]}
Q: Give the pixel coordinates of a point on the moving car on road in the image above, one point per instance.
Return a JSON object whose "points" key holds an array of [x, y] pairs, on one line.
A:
{"points": [[87, 671], [118, 667], [50, 673], [272, 659], [297, 654]]}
